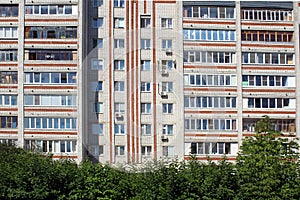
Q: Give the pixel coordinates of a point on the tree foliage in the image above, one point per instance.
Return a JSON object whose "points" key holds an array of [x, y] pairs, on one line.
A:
{"points": [[266, 168]]}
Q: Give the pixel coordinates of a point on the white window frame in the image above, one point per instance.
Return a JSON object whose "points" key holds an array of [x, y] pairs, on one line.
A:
{"points": [[119, 86], [145, 86], [120, 150], [168, 129], [168, 151], [167, 108], [146, 150], [146, 129], [167, 23], [146, 108]]}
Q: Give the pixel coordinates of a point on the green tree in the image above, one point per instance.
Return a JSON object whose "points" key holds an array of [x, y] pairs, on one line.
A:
{"points": [[267, 165]]}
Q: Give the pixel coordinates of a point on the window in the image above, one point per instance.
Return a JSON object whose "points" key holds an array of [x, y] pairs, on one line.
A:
{"points": [[97, 22], [51, 146], [145, 65], [210, 124], [9, 121], [267, 15], [119, 86], [168, 151], [50, 54], [166, 23], [97, 64], [168, 64], [98, 43], [167, 129], [166, 44], [270, 103], [268, 36], [146, 129], [145, 44], [61, 32], [205, 12], [97, 129], [145, 21], [119, 3], [167, 87], [211, 35], [208, 57], [8, 55], [50, 123], [98, 107], [119, 23], [8, 32], [167, 108], [119, 43], [9, 10], [49, 100], [204, 148], [8, 77], [119, 129], [119, 150], [50, 77], [146, 108], [207, 79], [264, 80], [119, 107], [97, 3], [145, 87], [119, 65], [212, 102], [51, 9], [281, 125], [97, 150], [8, 100], [268, 58], [146, 150]]}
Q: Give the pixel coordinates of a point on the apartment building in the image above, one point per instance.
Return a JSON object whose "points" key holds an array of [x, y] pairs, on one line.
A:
{"points": [[137, 80], [41, 52]]}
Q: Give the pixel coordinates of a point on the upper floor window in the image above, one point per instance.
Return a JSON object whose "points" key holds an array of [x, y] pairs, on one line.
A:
{"points": [[119, 23], [8, 55], [49, 32], [8, 77], [97, 150], [119, 86], [119, 65], [49, 100], [9, 10], [97, 64], [269, 103], [145, 86], [268, 36], [146, 129], [145, 108], [97, 129], [119, 43], [210, 80], [97, 22], [8, 100], [267, 15], [167, 23], [51, 146], [268, 58], [167, 86], [269, 80], [205, 148], [8, 121], [50, 123], [208, 57], [210, 35], [119, 3], [98, 43], [8, 32], [145, 44], [209, 12], [50, 55], [209, 102], [120, 107], [167, 108], [97, 3], [166, 44], [145, 21], [98, 107], [168, 151], [97, 86], [51, 9], [145, 65], [119, 129], [50, 77], [167, 129], [210, 124]]}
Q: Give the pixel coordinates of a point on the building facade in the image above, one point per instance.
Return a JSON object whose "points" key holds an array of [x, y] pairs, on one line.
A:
{"points": [[131, 81]]}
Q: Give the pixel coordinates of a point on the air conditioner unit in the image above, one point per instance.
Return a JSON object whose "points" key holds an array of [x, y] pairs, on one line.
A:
{"points": [[169, 52], [164, 94], [119, 116], [164, 72], [164, 138]]}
